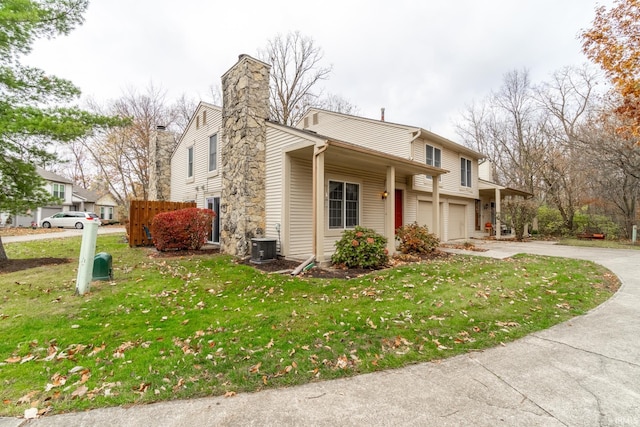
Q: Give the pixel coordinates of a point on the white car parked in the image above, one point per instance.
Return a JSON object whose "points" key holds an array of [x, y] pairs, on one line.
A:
{"points": [[70, 219]]}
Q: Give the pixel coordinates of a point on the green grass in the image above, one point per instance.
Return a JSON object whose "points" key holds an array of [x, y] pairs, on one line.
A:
{"points": [[610, 244], [170, 328]]}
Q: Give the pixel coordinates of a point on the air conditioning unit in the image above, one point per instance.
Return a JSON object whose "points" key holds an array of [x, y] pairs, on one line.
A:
{"points": [[263, 250]]}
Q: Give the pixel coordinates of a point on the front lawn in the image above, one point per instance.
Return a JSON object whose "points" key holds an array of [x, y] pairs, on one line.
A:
{"points": [[202, 325]]}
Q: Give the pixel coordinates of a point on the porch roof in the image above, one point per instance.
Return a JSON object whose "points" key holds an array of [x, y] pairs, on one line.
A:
{"points": [[354, 156], [487, 189]]}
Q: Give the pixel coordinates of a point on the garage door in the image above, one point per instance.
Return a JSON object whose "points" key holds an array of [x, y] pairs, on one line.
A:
{"points": [[425, 216], [50, 211], [457, 222]]}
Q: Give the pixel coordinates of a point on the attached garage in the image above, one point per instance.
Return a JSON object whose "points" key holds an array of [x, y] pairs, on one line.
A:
{"points": [[425, 215], [49, 212], [457, 221]]}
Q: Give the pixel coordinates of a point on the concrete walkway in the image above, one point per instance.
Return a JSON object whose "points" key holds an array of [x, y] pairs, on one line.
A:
{"points": [[585, 372], [67, 232]]}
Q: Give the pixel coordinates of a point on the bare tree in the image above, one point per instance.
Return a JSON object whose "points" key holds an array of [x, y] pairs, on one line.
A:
{"points": [[296, 71], [121, 155], [566, 101], [506, 127], [614, 157]]}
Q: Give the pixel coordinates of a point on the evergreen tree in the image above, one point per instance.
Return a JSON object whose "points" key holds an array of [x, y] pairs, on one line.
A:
{"points": [[35, 108]]}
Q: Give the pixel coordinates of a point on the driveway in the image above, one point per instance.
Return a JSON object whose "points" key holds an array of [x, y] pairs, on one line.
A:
{"points": [[585, 372]]}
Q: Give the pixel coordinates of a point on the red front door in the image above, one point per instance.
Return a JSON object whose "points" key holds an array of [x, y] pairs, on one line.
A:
{"points": [[398, 210]]}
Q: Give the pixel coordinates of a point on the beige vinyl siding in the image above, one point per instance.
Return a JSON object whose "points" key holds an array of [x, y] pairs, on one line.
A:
{"points": [[385, 137], [300, 213], [371, 204], [277, 141], [449, 182], [183, 188]]}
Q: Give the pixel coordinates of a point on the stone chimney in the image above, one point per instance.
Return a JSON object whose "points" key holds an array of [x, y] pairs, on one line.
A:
{"points": [[245, 109], [160, 149]]}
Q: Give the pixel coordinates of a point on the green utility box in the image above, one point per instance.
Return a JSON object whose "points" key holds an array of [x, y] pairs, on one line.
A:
{"points": [[102, 267]]}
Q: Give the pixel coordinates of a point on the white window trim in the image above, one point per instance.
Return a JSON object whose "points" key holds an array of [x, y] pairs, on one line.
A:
{"points": [[335, 231], [191, 149], [214, 171], [429, 177], [468, 174]]}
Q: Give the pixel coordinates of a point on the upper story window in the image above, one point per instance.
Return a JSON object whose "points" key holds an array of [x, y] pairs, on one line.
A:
{"points": [[433, 157], [204, 118], [58, 191], [344, 204], [190, 162], [465, 172], [213, 152]]}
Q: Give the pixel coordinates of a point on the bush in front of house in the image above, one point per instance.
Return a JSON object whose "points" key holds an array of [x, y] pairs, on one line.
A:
{"points": [[184, 229], [361, 248], [416, 239]]}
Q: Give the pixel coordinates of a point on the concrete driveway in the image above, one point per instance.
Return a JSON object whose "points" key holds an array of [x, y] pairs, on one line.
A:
{"points": [[585, 372]]}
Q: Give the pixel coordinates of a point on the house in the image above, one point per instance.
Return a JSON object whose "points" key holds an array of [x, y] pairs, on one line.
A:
{"points": [[305, 185], [72, 198]]}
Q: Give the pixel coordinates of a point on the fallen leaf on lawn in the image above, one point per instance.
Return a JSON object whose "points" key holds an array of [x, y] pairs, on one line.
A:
{"points": [[97, 349], [27, 397], [230, 394], [31, 413], [80, 391], [270, 344], [255, 368]]}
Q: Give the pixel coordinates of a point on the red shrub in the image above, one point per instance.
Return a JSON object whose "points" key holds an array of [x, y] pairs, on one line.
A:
{"points": [[182, 229]]}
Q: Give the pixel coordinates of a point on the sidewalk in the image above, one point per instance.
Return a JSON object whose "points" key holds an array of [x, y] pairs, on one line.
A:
{"points": [[71, 232], [584, 372]]}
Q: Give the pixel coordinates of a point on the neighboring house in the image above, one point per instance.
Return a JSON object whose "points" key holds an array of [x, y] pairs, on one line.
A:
{"points": [[72, 198], [105, 206], [305, 185]]}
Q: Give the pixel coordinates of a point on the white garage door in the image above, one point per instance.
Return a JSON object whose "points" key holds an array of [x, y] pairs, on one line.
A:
{"points": [[457, 222], [425, 216]]}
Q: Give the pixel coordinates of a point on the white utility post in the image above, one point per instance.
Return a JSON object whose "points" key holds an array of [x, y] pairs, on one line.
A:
{"points": [[87, 253]]}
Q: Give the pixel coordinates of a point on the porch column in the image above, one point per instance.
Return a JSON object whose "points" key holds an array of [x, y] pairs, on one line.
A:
{"points": [[390, 210], [318, 206], [498, 227], [435, 205]]}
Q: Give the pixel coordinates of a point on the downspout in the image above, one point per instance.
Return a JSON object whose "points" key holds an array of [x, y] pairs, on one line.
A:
{"points": [[314, 206]]}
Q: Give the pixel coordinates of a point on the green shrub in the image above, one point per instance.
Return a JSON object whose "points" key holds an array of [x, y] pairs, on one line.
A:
{"points": [[549, 221], [361, 248], [416, 239], [182, 229], [585, 221]]}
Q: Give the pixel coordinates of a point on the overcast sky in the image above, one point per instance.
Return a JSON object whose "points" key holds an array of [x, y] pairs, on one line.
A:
{"points": [[422, 60]]}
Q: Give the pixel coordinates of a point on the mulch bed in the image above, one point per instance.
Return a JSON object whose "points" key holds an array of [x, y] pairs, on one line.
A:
{"points": [[280, 265]]}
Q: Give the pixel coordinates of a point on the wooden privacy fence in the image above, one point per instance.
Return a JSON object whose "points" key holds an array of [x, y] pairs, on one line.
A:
{"points": [[141, 213]]}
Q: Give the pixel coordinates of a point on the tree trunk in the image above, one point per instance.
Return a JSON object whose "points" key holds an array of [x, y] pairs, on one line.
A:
{"points": [[3, 254]]}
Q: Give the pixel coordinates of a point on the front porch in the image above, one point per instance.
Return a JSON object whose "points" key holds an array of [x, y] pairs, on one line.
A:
{"points": [[488, 213]]}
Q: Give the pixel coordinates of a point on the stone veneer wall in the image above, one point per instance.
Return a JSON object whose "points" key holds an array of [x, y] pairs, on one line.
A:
{"points": [[161, 147], [245, 108]]}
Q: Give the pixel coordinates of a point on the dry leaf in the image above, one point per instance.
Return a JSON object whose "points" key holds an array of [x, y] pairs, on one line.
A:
{"points": [[31, 413], [230, 394], [80, 391]]}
